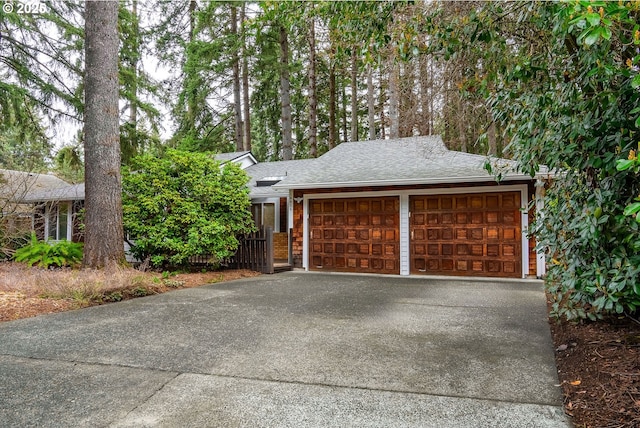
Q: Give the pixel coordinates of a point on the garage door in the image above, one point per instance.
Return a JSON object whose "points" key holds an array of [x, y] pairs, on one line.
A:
{"points": [[354, 235], [477, 234]]}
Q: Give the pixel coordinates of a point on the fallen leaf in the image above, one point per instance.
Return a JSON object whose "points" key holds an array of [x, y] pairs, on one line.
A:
{"points": [[575, 382]]}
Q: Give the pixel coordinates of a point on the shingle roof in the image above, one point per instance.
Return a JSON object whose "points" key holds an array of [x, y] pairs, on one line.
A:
{"points": [[263, 170], [17, 185], [71, 192], [414, 160]]}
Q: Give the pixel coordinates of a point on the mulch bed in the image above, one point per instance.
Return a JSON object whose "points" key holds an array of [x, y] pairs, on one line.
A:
{"points": [[599, 370], [15, 305]]}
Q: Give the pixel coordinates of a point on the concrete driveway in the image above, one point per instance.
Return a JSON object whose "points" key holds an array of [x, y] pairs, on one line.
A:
{"points": [[295, 349]]}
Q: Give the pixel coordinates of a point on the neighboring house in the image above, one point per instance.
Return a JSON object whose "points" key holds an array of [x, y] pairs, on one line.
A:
{"points": [[404, 206], [15, 187], [57, 213]]}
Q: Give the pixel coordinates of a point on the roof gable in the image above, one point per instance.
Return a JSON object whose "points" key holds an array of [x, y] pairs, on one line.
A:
{"points": [[244, 159], [403, 161]]}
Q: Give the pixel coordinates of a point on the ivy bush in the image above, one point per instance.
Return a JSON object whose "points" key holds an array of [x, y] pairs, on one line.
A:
{"points": [[562, 79], [184, 204], [45, 254]]}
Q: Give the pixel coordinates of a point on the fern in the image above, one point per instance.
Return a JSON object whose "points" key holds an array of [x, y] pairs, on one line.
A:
{"points": [[45, 255]]}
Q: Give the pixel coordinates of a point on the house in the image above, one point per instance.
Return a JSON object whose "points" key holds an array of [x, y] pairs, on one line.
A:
{"points": [[15, 188], [271, 207], [410, 206], [406, 206]]}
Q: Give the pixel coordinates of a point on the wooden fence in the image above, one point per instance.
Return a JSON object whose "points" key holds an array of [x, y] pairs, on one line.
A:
{"points": [[255, 252]]}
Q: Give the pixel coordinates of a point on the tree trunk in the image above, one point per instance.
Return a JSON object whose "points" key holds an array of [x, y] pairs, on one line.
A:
{"points": [[285, 96], [354, 95], [461, 124], [190, 120], [425, 96], [332, 102], [431, 98], [371, 103], [237, 107], [382, 102], [245, 82], [133, 108], [104, 236], [313, 97], [343, 113], [394, 99], [491, 136]]}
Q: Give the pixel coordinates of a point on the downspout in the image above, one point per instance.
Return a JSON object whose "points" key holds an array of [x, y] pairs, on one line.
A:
{"points": [[541, 264]]}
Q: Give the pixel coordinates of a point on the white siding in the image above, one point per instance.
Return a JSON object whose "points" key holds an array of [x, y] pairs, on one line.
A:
{"points": [[404, 234]]}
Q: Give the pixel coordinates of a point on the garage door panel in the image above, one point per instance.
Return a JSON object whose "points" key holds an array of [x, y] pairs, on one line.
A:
{"points": [[361, 235], [478, 234]]}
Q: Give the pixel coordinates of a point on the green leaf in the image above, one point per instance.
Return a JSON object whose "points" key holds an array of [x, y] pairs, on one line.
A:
{"points": [[593, 19], [635, 83], [632, 209], [592, 36], [624, 164]]}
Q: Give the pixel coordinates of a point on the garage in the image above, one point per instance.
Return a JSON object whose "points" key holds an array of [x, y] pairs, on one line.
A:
{"points": [[355, 235], [467, 234], [411, 206]]}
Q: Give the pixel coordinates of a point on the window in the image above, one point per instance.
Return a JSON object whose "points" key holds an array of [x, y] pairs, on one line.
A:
{"points": [[58, 225], [264, 214]]}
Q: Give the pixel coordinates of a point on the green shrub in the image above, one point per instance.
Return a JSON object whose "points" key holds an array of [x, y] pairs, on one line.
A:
{"points": [[172, 283], [182, 205], [44, 254], [116, 296]]}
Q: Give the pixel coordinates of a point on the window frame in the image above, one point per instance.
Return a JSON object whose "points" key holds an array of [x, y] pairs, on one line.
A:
{"points": [[48, 217], [275, 202]]}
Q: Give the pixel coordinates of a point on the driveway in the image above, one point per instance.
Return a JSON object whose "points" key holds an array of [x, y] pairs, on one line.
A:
{"points": [[295, 349]]}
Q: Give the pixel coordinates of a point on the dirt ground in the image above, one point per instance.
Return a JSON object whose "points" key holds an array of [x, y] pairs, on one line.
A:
{"points": [[599, 370], [598, 363]]}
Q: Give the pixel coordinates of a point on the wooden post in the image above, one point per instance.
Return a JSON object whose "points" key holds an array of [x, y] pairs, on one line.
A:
{"points": [[269, 250]]}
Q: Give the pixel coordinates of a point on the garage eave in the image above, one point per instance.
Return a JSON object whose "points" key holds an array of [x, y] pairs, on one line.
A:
{"points": [[399, 182]]}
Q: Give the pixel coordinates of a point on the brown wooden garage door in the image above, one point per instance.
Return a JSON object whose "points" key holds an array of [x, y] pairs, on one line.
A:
{"points": [[477, 234], [354, 235]]}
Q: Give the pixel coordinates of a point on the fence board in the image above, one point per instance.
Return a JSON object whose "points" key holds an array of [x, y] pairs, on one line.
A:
{"points": [[255, 251]]}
